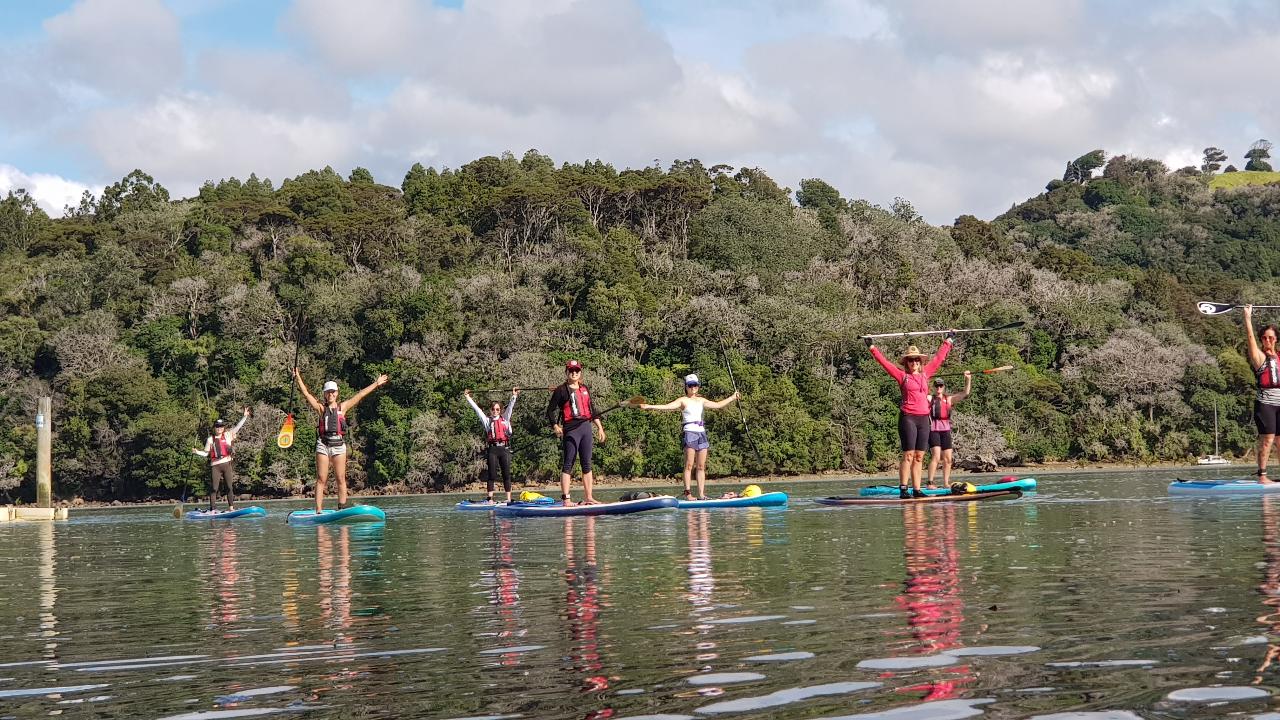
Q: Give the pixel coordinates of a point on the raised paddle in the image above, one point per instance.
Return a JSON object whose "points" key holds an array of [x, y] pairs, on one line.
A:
{"points": [[988, 371], [921, 333], [1213, 308], [284, 440]]}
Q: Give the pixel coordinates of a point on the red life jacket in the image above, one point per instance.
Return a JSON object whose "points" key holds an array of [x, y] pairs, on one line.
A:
{"points": [[1269, 373], [940, 409], [221, 448], [578, 407], [499, 430], [333, 425]]}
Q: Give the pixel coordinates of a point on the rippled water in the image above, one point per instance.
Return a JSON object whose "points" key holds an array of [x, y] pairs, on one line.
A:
{"points": [[1098, 597]]}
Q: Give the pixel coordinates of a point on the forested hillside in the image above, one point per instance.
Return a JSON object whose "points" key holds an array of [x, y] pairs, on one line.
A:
{"points": [[147, 317]]}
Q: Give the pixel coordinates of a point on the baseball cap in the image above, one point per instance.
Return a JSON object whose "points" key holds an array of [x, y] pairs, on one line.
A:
{"points": [[573, 365], [220, 423], [691, 379], [331, 385]]}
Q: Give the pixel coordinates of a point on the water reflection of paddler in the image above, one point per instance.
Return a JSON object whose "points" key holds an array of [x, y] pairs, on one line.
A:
{"points": [[506, 588], [333, 551], [1270, 586], [224, 576], [583, 604], [931, 593]]}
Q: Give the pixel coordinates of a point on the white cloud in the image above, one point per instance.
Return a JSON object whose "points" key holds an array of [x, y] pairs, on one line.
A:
{"points": [[51, 192], [274, 81], [117, 47]]}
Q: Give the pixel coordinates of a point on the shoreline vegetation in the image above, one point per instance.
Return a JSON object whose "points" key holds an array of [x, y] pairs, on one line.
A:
{"points": [[146, 318], [717, 484]]}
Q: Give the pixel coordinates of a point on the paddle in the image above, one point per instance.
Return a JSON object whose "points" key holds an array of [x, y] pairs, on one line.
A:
{"points": [[988, 371], [1212, 308], [742, 415], [178, 509], [507, 390], [284, 440], [921, 333]]}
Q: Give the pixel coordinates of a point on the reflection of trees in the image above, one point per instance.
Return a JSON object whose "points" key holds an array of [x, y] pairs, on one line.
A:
{"points": [[931, 592], [1270, 587]]}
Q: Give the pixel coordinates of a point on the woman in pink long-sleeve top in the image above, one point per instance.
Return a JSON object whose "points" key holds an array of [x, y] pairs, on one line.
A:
{"points": [[913, 417]]}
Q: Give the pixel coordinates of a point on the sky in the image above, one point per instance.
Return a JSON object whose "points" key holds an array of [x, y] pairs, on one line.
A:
{"points": [[958, 107]]}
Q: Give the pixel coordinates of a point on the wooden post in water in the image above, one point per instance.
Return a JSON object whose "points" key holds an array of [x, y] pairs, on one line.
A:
{"points": [[44, 453]]}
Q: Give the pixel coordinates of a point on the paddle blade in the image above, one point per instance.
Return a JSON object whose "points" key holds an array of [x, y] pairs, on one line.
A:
{"points": [[177, 511], [284, 440], [1002, 368], [1212, 308], [633, 401]]}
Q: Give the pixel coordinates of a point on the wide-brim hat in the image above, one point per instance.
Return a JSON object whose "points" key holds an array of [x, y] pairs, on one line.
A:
{"points": [[913, 352]]}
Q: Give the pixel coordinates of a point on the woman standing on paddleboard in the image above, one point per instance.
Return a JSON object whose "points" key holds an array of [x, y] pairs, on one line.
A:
{"points": [[1266, 405], [497, 431], [217, 447], [693, 432], [331, 431], [913, 417], [572, 414], [940, 426]]}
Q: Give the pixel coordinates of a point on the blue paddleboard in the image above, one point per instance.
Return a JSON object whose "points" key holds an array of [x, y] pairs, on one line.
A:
{"points": [[1025, 485], [491, 506], [557, 510], [253, 511], [353, 514], [1237, 486], [764, 500]]}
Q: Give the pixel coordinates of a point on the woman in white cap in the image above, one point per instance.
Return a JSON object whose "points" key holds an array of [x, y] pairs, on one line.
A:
{"points": [[913, 416], [217, 447], [331, 432], [693, 432]]}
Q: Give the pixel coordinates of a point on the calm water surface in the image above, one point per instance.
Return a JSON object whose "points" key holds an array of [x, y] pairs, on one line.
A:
{"points": [[1099, 596]]}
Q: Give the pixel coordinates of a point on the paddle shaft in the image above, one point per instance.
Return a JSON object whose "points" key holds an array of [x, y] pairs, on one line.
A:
{"points": [[742, 415], [923, 333], [297, 349], [988, 371]]}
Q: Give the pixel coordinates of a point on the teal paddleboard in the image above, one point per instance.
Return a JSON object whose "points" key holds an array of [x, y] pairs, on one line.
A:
{"points": [[764, 500], [353, 514], [1024, 485]]}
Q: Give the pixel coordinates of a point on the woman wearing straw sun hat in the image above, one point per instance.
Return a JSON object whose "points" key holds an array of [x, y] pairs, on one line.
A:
{"points": [[693, 433], [913, 416]]}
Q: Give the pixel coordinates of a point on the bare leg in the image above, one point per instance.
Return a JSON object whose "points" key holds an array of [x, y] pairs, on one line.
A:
{"points": [[340, 470], [587, 479], [702, 474], [935, 453], [917, 466], [946, 467], [322, 477], [689, 458], [565, 479], [904, 469], [1264, 454]]}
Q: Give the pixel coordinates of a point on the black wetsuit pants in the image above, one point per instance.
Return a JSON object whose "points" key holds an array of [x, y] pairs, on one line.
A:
{"points": [[498, 458]]}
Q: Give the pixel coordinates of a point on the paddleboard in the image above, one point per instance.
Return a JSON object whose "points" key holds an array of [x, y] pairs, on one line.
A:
{"points": [[557, 510], [491, 506], [253, 511], [1025, 485], [762, 500], [1238, 486], [895, 500], [353, 514]]}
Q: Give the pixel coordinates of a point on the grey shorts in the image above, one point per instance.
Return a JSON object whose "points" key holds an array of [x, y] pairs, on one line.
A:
{"points": [[695, 440], [330, 450]]}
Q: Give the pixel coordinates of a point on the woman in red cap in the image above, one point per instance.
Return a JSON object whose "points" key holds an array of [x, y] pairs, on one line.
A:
{"points": [[913, 416], [572, 413], [693, 432], [331, 432]]}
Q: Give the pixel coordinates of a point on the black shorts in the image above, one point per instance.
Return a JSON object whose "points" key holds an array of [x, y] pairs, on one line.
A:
{"points": [[940, 439], [1266, 417], [913, 432]]}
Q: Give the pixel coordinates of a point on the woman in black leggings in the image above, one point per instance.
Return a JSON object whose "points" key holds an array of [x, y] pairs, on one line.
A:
{"points": [[497, 431]]}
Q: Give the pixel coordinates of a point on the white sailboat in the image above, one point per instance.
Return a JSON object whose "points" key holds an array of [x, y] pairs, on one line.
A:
{"points": [[1215, 458]]}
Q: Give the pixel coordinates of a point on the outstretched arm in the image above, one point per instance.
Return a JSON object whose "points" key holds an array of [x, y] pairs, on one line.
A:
{"points": [[484, 420], [1256, 358], [306, 394], [897, 372], [511, 404], [939, 357], [208, 445], [243, 419], [673, 405], [355, 399], [722, 403]]}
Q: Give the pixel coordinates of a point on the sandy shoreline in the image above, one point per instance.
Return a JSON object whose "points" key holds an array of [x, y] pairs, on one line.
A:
{"points": [[856, 479]]}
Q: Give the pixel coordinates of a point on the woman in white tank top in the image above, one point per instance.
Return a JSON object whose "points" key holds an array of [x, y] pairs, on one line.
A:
{"points": [[693, 433]]}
